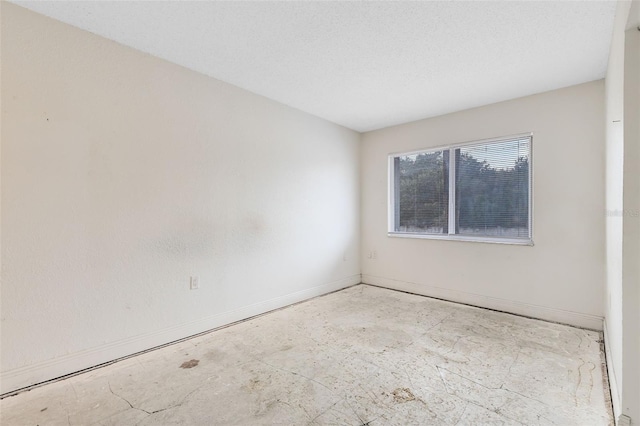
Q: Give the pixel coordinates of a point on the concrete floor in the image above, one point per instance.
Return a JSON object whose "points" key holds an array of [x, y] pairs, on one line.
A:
{"points": [[361, 356]]}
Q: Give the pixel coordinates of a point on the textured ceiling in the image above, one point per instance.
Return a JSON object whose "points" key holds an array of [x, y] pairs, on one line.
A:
{"points": [[366, 65]]}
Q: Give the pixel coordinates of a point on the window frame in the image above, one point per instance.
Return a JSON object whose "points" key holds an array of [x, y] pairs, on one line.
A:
{"points": [[391, 214]]}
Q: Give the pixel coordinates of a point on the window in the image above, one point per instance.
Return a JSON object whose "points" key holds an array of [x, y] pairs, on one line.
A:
{"points": [[479, 191]]}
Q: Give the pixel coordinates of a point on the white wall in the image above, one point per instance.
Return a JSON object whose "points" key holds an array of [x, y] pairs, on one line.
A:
{"points": [[123, 175], [631, 226], [622, 321], [631, 218], [614, 88], [561, 277]]}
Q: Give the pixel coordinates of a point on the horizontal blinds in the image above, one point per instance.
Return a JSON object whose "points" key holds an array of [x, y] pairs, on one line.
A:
{"points": [[492, 189]]}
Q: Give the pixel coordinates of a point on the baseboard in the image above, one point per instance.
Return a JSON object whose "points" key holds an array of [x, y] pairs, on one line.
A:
{"points": [[623, 420], [613, 381], [24, 377], [577, 319]]}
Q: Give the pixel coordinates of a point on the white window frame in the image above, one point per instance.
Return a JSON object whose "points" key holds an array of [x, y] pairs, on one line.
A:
{"points": [[452, 198]]}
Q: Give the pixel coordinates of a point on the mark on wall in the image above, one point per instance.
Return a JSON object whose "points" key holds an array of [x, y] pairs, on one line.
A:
{"points": [[188, 240]]}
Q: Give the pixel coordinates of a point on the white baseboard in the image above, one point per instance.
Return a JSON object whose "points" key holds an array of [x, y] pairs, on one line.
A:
{"points": [[68, 364], [577, 319], [623, 420], [613, 381]]}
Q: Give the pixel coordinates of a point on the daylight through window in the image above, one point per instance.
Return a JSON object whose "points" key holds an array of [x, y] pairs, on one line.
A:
{"points": [[478, 191]]}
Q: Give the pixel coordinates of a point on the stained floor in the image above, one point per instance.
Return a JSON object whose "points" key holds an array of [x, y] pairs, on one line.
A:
{"points": [[361, 356]]}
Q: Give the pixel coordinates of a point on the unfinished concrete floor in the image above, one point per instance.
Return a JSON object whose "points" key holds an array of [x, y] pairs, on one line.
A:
{"points": [[361, 356]]}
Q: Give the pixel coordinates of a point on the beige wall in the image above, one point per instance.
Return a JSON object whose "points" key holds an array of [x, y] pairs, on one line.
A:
{"points": [[561, 277], [123, 175]]}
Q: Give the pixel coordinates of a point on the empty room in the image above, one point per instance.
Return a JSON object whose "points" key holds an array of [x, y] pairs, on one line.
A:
{"points": [[320, 213]]}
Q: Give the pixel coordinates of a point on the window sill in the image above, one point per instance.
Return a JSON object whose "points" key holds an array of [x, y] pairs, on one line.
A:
{"points": [[467, 238]]}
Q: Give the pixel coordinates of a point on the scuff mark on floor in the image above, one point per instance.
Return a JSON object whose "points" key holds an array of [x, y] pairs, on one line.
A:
{"points": [[155, 411], [402, 395], [190, 364]]}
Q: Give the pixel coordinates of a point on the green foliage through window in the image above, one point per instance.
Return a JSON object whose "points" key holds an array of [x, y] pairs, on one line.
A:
{"points": [[489, 196]]}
